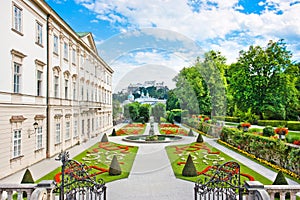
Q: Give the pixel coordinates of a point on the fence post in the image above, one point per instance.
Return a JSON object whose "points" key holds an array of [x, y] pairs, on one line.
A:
{"points": [[256, 191]]}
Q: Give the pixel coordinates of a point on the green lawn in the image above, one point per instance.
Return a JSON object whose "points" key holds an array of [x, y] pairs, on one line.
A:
{"points": [[100, 155], [200, 152]]}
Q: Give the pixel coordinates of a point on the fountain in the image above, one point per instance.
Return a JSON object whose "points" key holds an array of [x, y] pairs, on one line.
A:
{"points": [[152, 137]]}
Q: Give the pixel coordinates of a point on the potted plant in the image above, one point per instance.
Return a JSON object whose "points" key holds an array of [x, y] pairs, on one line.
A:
{"points": [[245, 126], [281, 131]]}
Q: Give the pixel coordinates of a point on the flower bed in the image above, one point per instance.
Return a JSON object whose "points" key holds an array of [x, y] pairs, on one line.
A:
{"points": [[205, 158], [98, 159], [172, 129], [270, 151], [131, 129]]}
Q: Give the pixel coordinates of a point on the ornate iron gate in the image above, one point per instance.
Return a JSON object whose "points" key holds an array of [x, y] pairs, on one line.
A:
{"points": [[224, 183], [77, 182]]}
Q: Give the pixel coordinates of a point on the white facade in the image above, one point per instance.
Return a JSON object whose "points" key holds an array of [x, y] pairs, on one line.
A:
{"points": [[55, 91]]}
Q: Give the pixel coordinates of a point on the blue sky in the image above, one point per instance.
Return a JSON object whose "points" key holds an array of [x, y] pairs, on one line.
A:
{"points": [[172, 33]]}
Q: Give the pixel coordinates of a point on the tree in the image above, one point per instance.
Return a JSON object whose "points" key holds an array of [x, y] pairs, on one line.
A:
{"points": [[172, 101], [144, 112], [158, 111], [117, 110], [131, 111], [258, 81], [201, 88]]}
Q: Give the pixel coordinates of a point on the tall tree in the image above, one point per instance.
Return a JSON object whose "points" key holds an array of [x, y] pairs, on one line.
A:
{"points": [[257, 80], [158, 111]]}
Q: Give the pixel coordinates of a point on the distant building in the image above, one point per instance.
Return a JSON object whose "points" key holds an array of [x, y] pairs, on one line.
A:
{"points": [[134, 87]]}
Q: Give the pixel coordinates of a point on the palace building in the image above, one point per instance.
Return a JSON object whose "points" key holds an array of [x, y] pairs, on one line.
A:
{"points": [[55, 90]]}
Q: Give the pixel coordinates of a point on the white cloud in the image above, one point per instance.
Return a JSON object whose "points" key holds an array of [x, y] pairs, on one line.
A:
{"points": [[279, 19]]}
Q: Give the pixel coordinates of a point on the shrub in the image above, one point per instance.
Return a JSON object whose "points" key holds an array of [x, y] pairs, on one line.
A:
{"points": [[191, 133], [274, 123], [280, 180], [232, 119], [104, 138], [189, 169], [114, 132], [114, 168], [199, 138], [27, 177], [293, 125], [268, 131]]}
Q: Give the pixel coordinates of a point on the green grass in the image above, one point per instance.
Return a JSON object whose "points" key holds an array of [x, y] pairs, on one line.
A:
{"points": [[200, 165], [101, 157]]}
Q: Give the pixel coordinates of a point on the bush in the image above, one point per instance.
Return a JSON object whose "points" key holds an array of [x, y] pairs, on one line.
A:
{"points": [[255, 130], [279, 180], [293, 125], [199, 138], [27, 177], [114, 168], [233, 119], [191, 133], [189, 169], [268, 131], [104, 138], [114, 132], [273, 123]]}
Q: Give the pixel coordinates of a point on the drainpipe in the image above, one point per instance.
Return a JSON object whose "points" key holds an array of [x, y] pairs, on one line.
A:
{"points": [[47, 92]]}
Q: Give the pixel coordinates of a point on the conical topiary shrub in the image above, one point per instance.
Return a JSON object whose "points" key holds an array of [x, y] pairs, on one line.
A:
{"points": [[114, 132], [189, 168], [27, 177], [199, 138], [191, 133], [114, 168], [280, 180], [104, 138]]}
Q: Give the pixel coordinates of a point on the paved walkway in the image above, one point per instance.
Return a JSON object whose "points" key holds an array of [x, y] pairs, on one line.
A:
{"points": [[151, 177]]}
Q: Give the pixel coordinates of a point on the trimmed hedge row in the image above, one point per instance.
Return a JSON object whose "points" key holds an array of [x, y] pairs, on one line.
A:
{"points": [[274, 123], [233, 119], [272, 150], [293, 125]]}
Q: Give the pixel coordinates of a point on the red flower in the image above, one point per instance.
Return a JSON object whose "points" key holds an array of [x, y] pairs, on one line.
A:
{"points": [[281, 131], [296, 142], [246, 125]]}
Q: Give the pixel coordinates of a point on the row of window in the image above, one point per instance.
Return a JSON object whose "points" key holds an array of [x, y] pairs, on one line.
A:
{"points": [[17, 141], [92, 94], [18, 25]]}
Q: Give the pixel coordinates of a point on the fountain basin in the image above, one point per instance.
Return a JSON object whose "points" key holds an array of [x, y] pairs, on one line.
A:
{"points": [[158, 138]]}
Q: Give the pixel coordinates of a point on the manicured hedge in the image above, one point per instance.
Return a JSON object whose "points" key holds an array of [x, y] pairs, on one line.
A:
{"points": [[233, 119], [270, 149], [293, 125], [274, 123]]}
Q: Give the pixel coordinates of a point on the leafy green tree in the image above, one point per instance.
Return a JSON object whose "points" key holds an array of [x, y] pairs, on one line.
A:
{"points": [[258, 81], [158, 111], [172, 101], [117, 109], [134, 110], [144, 112]]}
